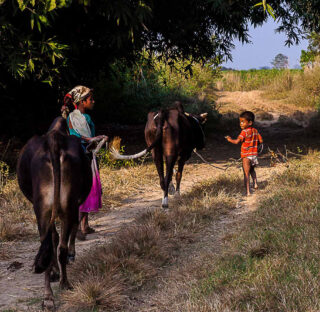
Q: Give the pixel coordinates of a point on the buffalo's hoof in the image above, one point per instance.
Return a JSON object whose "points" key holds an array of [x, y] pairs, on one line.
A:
{"points": [[165, 203], [65, 285], [48, 304]]}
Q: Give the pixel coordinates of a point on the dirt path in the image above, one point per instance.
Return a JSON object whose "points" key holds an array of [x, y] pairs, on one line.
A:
{"points": [[20, 290]]}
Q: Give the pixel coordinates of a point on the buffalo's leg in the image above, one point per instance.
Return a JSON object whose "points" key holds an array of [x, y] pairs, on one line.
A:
{"points": [[158, 160], [66, 228], [72, 248], [170, 161], [181, 163], [48, 301], [54, 275], [43, 220]]}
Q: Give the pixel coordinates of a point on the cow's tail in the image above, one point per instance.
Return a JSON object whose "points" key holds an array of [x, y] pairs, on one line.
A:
{"points": [[160, 121], [45, 253]]}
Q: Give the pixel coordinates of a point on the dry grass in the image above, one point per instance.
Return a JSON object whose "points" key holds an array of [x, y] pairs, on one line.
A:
{"points": [[247, 80], [17, 219], [136, 253], [119, 184], [302, 89], [272, 262]]}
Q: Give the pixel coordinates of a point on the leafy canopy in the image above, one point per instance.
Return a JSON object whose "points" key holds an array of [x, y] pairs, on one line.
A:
{"points": [[66, 40]]}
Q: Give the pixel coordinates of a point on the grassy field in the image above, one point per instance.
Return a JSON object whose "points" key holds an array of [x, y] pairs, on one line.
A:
{"points": [[247, 80], [298, 87], [272, 261]]}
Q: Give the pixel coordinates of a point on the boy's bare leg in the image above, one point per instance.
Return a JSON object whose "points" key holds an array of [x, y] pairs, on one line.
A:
{"points": [[254, 177], [246, 166]]}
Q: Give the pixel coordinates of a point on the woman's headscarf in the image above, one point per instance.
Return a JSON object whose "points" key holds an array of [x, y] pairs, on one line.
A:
{"points": [[73, 97]]}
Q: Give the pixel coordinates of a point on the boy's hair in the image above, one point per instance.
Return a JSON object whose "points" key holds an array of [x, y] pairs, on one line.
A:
{"points": [[247, 115]]}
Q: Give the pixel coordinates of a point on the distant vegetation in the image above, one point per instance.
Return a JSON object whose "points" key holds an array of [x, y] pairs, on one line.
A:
{"points": [[297, 86], [247, 80]]}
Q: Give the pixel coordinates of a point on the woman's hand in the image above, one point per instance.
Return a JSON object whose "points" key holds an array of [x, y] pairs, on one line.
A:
{"points": [[98, 138], [228, 138]]}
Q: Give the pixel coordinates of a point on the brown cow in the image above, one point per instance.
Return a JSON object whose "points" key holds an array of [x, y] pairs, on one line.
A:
{"points": [[55, 175], [172, 135]]}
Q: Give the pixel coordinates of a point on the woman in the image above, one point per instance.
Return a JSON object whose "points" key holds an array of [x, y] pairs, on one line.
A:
{"points": [[81, 125]]}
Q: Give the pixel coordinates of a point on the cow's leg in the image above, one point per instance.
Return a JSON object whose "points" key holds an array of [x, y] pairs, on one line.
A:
{"points": [[158, 160], [72, 248], [43, 214], [66, 227], [54, 276], [48, 302], [181, 163], [170, 161]]}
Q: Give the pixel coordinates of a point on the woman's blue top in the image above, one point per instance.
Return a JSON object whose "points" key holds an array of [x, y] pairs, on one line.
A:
{"points": [[92, 128], [90, 123]]}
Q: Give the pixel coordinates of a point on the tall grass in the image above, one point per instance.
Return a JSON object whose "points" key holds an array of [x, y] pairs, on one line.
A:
{"points": [[272, 263], [247, 80], [298, 87]]}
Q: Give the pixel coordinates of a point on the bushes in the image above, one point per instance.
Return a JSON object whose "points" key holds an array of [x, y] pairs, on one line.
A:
{"points": [[127, 94]]}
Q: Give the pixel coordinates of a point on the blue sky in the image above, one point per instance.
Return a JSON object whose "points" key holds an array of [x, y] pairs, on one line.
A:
{"points": [[266, 44]]}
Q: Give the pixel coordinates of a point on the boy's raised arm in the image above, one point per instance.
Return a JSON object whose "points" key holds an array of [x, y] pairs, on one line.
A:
{"points": [[233, 141]]}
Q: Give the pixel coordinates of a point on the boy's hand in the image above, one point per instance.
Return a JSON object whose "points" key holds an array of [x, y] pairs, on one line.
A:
{"points": [[228, 138]]}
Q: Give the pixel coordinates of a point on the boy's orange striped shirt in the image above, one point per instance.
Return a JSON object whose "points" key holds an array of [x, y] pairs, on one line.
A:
{"points": [[250, 139]]}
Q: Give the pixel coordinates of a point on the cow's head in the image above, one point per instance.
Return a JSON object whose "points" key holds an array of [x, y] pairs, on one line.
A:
{"points": [[198, 130]]}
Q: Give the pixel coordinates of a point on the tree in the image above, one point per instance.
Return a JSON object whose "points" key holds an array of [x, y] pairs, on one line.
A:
{"points": [[308, 57], [83, 36], [67, 42], [280, 61]]}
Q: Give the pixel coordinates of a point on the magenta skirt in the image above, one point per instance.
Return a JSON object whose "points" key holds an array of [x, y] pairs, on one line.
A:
{"points": [[93, 201]]}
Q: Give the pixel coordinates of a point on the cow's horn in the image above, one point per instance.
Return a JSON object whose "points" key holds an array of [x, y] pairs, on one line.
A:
{"points": [[187, 114]]}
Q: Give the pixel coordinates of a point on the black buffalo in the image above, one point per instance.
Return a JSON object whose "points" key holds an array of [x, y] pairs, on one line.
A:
{"points": [[171, 135], [55, 175]]}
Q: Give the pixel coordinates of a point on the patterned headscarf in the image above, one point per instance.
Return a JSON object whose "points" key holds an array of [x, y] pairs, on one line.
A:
{"points": [[77, 94]]}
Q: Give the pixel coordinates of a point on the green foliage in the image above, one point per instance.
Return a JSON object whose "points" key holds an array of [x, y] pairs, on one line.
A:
{"points": [[266, 7], [27, 48], [132, 91], [308, 57]]}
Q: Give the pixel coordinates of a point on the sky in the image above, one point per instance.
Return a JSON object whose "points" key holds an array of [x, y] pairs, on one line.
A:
{"points": [[266, 44]]}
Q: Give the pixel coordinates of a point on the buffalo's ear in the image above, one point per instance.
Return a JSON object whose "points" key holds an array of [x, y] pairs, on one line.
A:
{"points": [[204, 117]]}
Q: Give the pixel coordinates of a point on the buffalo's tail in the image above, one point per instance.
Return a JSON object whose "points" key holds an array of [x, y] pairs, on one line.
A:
{"points": [[160, 121], [45, 253]]}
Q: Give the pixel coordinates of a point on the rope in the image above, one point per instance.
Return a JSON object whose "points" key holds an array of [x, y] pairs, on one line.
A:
{"points": [[205, 161], [101, 141]]}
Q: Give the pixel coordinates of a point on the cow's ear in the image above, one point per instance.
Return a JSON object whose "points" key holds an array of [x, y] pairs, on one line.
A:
{"points": [[204, 117]]}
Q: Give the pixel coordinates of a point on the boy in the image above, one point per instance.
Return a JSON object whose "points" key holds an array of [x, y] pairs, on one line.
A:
{"points": [[250, 138]]}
